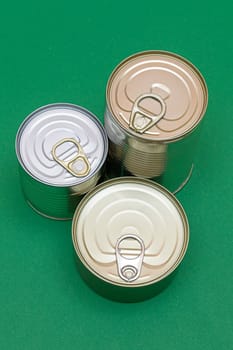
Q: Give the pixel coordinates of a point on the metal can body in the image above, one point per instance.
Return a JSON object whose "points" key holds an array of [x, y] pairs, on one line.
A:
{"points": [[129, 235], [122, 294], [155, 102], [61, 149], [170, 164]]}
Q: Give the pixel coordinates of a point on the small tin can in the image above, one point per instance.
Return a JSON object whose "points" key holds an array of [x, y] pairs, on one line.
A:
{"points": [[61, 149], [129, 234], [155, 100]]}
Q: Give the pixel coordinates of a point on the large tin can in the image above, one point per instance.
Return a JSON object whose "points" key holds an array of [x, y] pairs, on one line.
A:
{"points": [[129, 234], [61, 149], [155, 101]]}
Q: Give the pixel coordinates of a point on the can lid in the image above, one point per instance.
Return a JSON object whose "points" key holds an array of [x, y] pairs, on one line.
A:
{"points": [[157, 95], [130, 231], [61, 144]]}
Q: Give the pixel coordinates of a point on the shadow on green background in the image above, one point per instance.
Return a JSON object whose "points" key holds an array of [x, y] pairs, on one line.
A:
{"points": [[65, 53]]}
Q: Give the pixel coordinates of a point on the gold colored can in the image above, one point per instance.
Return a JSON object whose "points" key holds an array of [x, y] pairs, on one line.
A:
{"points": [[129, 234], [155, 100]]}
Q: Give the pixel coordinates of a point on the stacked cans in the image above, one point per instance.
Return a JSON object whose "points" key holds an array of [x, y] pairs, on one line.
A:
{"points": [[129, 233]]}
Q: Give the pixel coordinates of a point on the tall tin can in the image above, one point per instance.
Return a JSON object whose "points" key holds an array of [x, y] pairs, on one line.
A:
{"points": [[129, 234], [61, 149], [155, 101]]}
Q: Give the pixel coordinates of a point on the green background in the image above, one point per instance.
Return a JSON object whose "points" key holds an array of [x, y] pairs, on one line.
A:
{"points": [[64, 52]]}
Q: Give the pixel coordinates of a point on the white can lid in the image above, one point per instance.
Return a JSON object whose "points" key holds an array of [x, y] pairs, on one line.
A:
{"points": [[130, 228], [61, 144]]}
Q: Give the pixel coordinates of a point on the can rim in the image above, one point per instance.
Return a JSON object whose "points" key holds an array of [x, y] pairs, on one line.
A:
{"points": [[92, 116], [167, 53], [150, 183]]}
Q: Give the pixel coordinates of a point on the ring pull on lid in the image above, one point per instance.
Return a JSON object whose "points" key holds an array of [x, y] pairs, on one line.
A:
{"points": [[79, 165], [129, 268], [140, 120], [142, 85]]}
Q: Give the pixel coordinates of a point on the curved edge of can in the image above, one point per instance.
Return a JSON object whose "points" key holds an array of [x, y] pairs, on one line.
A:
{"points": [[44, 215], [92, 116], [171, 54], [186, 180], [118, 293], [153, 185]]}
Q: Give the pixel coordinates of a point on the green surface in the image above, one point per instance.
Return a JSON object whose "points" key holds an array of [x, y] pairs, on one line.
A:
{"points": [[53, 52]]}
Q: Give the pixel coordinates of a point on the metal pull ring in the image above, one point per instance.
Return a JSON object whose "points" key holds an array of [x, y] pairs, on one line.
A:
{"points": [[129, 269], [140, 121], [79, 165]]}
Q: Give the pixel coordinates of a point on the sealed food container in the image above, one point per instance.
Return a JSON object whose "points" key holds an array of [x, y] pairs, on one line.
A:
{"points": [[129, 234], [61, 149], [155, 102]]}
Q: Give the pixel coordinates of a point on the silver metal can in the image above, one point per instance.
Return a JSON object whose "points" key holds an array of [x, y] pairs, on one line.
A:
{"points": [[129, 234], [155, 100], [61, 149]]}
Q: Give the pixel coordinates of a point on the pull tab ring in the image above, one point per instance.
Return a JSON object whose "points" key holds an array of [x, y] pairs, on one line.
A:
{"points": [[129, 269], [140, 121], [79, 165]]}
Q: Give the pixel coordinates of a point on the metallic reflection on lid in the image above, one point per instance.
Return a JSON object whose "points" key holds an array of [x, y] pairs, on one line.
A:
{"points": [[157, 95], [53, 138], [126, 208]]}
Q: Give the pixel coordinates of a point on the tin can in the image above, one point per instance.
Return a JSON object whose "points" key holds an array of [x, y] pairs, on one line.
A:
{"points": [[129, 234], [61, 149], [154, 102]]}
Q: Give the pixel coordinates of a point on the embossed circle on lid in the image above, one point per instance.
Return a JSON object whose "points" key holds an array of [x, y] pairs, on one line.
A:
{"points": [[58, 141], [130, 208], [157, 95]]}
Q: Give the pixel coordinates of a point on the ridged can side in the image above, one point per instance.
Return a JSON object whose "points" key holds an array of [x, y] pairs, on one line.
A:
{"points": [[169, 164], [155, 102], [53, 202]]}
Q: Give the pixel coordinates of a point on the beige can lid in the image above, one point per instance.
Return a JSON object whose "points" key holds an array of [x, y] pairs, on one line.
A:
{"points": [[130, 232], [157, 95]]}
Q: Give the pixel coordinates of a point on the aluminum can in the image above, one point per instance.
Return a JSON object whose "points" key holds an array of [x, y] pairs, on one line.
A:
{"points": [[129, 234], [61, 149], [155, 101]]}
